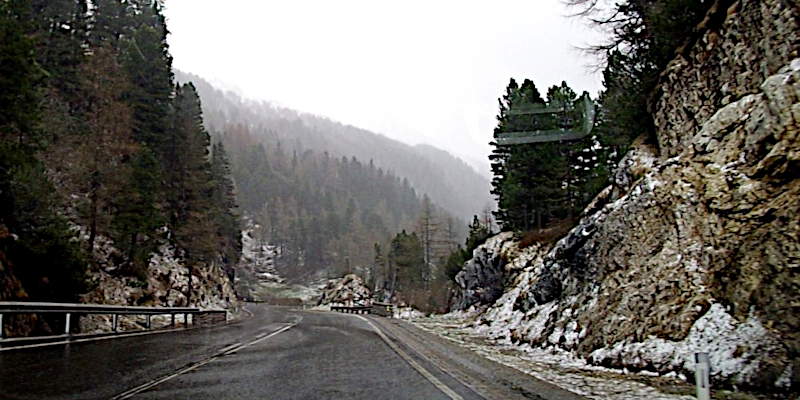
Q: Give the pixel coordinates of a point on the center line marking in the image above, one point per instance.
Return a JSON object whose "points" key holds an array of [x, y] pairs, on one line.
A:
{"points": [[224, 352]]}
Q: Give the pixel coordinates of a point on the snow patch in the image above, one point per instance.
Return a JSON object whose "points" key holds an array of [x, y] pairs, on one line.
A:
{"points": [[730, 345]]}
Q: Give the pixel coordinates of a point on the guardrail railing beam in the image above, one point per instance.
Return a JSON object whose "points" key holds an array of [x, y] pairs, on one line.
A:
{"points": [[189, 315]]}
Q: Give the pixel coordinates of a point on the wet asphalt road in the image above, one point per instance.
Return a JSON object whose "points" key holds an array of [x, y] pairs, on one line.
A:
{"points": [[278, 353], [320, 356]]}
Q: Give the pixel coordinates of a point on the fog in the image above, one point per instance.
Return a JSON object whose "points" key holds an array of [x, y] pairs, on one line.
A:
{"points": [[416, 71]]}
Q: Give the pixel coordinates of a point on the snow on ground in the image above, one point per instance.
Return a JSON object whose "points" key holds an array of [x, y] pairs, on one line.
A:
{"points": [[278, 290], [407, 313], [559, 368]]}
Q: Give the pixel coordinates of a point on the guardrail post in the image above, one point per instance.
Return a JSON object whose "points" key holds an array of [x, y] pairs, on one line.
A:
{"points": [[66, 324], [185, 320], [2, 332], [148, 322], [702, 367], [172, 323], [114, 322]]}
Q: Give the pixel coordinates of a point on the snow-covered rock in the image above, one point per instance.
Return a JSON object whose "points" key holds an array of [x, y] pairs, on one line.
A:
{"points": [[166, 284], [259, 258], [407, 313], [695, 246], [347, 291], [482, 279]]}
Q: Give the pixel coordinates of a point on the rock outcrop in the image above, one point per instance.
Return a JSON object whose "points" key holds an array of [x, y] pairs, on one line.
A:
{"points": [[347, 291], [166, 284], [482, 279], [258, 259], [696, 245]]}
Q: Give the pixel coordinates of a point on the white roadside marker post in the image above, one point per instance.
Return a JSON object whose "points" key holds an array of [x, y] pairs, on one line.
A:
{"points": [[701, 373]]}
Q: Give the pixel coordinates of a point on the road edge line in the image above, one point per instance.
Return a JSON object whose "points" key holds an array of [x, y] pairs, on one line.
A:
{"points": [[414, 364], [94, 339], [224, 352]]}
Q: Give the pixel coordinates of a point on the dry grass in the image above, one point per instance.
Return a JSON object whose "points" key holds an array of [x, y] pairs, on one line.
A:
{"points": [[553, 232]]}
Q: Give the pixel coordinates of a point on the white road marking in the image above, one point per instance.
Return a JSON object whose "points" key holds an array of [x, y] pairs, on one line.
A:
{"points": [[224, 352], [120, 336], [424, 372]]}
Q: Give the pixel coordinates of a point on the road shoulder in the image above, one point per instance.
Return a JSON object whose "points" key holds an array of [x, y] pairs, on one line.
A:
{"points": [[488, 378]]}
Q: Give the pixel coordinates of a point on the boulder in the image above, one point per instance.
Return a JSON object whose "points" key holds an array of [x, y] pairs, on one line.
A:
{"points": [[348, 291]]}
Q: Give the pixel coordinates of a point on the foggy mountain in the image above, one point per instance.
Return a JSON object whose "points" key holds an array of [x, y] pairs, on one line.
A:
{"points": [[446, 179]]}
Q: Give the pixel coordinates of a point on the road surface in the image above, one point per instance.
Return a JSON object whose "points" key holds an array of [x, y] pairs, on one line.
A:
{"points": [[278, 353]]}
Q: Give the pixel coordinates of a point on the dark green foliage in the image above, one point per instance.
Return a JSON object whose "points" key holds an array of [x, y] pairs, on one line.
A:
{"points": [[112, 20], [229, 226], [406, 261], [47, 259], [60, 31], [478, 233], [19, 74], [145, 56], [318, 210], [538, 183], [455, 262], [646, 34], [94, 136], [137, 214], [189, 180]]}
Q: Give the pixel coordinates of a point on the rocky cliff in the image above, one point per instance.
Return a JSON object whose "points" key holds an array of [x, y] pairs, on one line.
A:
{"points": [[166, 284], [348, 291], [696, 244]]}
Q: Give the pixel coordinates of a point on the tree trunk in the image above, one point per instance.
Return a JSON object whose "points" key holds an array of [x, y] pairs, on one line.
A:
{"points": [[132, 249], [92, 218], [189, 291]]}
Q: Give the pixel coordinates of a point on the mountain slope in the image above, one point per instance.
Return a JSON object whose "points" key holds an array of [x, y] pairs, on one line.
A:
{"points": [[447, 180]]}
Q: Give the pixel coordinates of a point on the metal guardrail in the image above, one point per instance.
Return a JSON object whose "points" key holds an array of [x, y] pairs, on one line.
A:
{"points": [[352, 309], [383, 309], [69, 309]]}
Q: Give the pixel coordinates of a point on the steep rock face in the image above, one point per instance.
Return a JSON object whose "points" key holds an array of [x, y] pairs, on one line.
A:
{"points": [[166, 285], [696, 246], [481, 281], [258, 259], [741, 44], [492, 268]]}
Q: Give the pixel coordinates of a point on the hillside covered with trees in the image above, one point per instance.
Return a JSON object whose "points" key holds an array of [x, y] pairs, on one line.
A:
{"points": [[429, 170], [325, 214], [101, 150]]}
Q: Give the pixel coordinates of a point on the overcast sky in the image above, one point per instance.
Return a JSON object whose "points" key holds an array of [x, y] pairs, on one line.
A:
{"points": [[416, 71]]}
